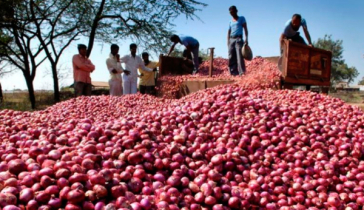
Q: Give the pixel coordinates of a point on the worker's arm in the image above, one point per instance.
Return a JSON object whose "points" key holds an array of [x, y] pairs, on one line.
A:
{"points": [[83, 65], [307, 34], [172, 48], [282, 38], [112, 68], [124, 59], [228, 37], [142, 66], [245, 26]]}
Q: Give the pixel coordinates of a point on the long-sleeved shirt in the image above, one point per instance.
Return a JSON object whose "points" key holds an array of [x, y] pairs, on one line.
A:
{"points": [[82, 68], [111, 64], [132, 64], [148, 77]]}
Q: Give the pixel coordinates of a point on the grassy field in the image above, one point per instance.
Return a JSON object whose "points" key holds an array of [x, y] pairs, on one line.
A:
{"points": [[352, 98], [20, 100]]}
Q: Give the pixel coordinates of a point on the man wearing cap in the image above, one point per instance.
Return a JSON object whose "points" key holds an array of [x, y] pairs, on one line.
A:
{"points": [[82, 68], [235, 42], [147, 79], [192, 46], [114, 66], [130, 74]]}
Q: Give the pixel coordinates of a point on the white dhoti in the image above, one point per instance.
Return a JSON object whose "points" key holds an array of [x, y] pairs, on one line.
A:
{"points": [[116, 88]]}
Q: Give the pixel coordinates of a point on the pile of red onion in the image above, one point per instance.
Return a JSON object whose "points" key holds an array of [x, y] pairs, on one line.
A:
{"points": [[260, 73], [228, 147]]}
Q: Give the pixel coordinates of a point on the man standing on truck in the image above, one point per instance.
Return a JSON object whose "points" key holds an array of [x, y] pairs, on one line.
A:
{"points": [[192, 46], [82, 68], [235, 42], [291, 30]]}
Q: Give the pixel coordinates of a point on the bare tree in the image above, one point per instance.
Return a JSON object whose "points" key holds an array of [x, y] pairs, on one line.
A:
{"points": [[58, 23], [20, 48]]}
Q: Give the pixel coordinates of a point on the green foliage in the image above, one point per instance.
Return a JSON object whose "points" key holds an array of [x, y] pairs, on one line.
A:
{"points": [[339, 69], [361, 82], [147, 23]]}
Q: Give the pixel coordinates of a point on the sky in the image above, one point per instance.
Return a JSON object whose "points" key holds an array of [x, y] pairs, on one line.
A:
{"points": [[265, 20]]}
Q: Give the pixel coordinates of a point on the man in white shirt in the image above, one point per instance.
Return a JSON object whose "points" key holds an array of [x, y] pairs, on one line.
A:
{"points": [[130, 74], [114, 66]]}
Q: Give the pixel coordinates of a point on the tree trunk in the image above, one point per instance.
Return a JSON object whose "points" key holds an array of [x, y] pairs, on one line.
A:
{"points": [[55, 84], [94, 27], [30, 86], [1, 94]]}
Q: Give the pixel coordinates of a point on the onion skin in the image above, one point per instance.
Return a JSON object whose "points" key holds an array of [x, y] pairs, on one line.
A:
{"points": [[26, 195]]}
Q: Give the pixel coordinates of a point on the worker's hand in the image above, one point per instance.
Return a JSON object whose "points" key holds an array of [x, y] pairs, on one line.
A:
{"points": [[114, 71], [246, 42], [155, 69], [126, 72], [141, 75], [311, 45]]}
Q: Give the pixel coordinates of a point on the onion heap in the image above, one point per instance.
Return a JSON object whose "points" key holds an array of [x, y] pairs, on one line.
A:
{"points": [[260, 73], [228, 147]]}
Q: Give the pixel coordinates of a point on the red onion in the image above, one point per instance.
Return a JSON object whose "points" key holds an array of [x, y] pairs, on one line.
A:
{"points": [[11, 207], [52, 190], [26, 195], [97, 179], [75, 196], [7, 199], [70, 206], [16, 166], [42, 197], [32, 205], [55, 203], [88, 206], [100, 191]]}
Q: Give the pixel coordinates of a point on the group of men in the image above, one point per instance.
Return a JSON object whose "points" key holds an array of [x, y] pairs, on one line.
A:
{"points": [[124, 80]]}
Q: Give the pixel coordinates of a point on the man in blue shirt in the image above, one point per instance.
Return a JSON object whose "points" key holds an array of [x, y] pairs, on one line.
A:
{"points": [[291, 30], [235, 42], [192, 46]]}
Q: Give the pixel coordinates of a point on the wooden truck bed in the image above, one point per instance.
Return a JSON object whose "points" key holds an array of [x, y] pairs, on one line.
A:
{"points": [[304, 65]]}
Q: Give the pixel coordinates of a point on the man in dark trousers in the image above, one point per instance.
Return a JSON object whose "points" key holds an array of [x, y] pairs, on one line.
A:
{"points": [[235, 42], [192, 46]]}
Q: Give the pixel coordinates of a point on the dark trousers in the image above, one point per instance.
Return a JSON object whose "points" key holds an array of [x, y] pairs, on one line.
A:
{"points": [[82, 89], [297, 38], [147, 89], [236, 60]]}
